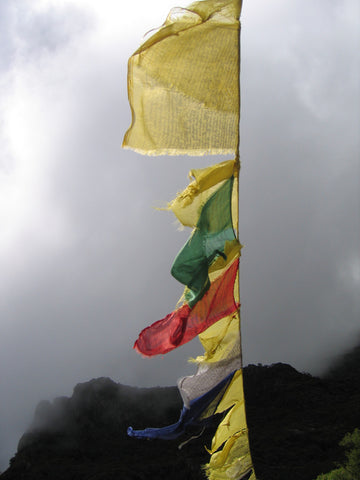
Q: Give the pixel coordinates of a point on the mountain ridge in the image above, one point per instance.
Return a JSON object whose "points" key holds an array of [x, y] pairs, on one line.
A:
{"points": [[295, 423]]}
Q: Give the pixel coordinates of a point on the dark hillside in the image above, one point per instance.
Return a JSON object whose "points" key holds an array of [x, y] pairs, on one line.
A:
{"points": [[295, 420]]}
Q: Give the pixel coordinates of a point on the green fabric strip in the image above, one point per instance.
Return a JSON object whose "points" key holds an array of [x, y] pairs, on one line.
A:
{"points": [[206, 243]]}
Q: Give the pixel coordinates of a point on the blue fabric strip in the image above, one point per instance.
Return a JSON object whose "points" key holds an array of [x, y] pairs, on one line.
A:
{"points": [[188, 417]]}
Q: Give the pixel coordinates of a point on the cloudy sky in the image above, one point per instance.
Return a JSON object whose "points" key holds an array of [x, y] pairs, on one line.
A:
{"points": [[85, 259]]}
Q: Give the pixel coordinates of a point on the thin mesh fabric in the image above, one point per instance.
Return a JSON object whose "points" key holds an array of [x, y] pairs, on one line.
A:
{"points": [[233, 461], [196, 413], [230, 453], [207, 242], [221, 340], [183, 83], [206, 377], [184, 324], [188, 204]]}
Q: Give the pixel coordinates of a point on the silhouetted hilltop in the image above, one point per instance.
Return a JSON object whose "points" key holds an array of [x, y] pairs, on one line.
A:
{"points": [[295, 422]]}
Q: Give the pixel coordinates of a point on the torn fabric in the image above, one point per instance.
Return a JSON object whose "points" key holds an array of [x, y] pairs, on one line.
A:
{"points": [[183, 83]]}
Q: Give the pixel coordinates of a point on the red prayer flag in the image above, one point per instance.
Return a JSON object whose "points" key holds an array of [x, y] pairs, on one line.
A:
{"points": [[185, 323]]}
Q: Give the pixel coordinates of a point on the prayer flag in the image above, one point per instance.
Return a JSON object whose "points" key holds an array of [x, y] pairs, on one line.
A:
{"points": [[184, 324], [196, 413], [213, 229], [183, 83], [183, 87], [188, 204]]}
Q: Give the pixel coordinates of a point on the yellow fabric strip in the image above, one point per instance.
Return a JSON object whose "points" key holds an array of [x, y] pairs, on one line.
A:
{"points": [[235, 200], [230, 452], [234, 393], [234, 422], [188, 203], [233, 461], [220, 264], [183, 83], [221, 340]]}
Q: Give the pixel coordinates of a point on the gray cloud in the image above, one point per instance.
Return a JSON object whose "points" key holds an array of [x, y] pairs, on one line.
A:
{"points": [[300, 147], [86, 261]]}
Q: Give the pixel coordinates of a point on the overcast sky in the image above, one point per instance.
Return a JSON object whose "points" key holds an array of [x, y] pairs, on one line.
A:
{"points": [[85, 259]]}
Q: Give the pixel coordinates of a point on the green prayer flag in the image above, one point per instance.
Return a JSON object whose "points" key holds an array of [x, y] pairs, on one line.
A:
{"points": [[214, 228]]}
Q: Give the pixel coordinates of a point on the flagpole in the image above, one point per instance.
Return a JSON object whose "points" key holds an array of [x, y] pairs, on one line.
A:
{"points": [[237, 170]]}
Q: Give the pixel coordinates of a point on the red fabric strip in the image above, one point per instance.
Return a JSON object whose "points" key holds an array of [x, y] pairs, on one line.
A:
{"points": [[184, 324]]}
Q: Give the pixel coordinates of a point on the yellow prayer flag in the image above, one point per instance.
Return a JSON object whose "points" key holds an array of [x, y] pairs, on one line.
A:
{"points": [[233, 423], [234, 393], [188, 203], [221, 341], [183, 83], [230, 454], [233, 462]]}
